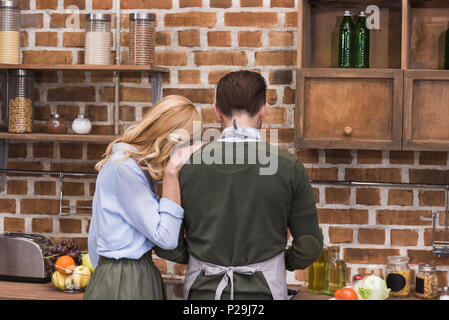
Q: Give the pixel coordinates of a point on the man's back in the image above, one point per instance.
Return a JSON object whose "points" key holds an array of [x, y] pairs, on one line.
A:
{"points": [[236, 216]]}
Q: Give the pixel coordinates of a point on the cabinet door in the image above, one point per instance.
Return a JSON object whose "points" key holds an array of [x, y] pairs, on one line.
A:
{"points": [[349, 108], [426, 110]]}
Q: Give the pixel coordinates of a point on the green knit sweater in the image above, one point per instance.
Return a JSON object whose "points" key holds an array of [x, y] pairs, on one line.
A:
{"points": [[234, 215]]}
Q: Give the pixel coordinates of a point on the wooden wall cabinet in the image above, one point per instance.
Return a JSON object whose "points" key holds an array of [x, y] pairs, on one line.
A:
{"points": [[400, 103]]}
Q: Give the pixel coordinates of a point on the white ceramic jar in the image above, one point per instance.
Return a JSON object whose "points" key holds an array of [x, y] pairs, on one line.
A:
{"points": [[81, 125]]}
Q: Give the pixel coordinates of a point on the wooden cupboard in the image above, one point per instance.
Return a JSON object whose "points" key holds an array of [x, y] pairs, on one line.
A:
{"points": [[400, 103]]}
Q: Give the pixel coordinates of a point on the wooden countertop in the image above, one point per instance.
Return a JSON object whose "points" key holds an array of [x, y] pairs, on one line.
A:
{"points": [[46, 291]]}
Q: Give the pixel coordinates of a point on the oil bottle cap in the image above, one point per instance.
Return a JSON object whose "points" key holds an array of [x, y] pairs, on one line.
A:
{"points": [[347, 13], [362, 14]]}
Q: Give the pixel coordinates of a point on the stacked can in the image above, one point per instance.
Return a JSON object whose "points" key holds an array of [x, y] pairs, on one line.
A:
{"points": [[141, 38]]}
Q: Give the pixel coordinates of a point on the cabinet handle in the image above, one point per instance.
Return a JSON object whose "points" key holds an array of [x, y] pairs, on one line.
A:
{"points": [[347, 131]]}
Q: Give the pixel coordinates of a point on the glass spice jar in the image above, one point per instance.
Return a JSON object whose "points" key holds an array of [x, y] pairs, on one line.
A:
{"points": [[426, 282], [141, 38], [98, 39], [398, 276], [9, 32], [56, 124], [21, 88]]}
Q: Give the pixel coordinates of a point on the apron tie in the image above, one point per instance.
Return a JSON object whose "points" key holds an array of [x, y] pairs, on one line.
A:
{"points": [[228, 276]]}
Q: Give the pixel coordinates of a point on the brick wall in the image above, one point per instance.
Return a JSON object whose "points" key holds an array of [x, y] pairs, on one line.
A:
{"points": [[201, 40]]}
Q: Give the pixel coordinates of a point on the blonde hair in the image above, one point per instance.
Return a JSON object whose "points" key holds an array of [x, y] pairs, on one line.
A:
{"points": [[155, 135]]}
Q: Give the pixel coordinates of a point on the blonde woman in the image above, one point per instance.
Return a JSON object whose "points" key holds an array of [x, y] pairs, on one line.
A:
{"points": [[128, 218]]}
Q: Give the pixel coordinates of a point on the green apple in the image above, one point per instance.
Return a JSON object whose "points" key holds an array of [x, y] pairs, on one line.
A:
{"points": [[86, 262], [81, 277]]}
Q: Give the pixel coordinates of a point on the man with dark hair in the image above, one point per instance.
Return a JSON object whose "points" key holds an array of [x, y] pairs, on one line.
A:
{"points": [[236, 213]]}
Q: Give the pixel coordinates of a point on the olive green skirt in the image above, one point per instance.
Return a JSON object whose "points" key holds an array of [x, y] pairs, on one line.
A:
{"points": [[126, 279]]}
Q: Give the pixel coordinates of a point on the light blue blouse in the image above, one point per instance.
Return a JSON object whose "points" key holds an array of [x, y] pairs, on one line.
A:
{"points": [[128, 218]]}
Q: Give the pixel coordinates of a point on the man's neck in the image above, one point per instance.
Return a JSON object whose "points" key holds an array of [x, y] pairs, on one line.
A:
{"points": [[242, 121]]}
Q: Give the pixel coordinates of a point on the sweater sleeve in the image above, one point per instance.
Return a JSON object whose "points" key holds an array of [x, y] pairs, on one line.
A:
{"points": [[307, 242], [179, 254]]}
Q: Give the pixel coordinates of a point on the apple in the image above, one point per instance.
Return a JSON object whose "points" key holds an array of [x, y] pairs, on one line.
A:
{"points": [[81, 277]]}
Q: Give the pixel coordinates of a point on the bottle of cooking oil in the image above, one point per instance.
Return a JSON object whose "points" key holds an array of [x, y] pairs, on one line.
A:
{"points": [[334, 272], [316, 273]]}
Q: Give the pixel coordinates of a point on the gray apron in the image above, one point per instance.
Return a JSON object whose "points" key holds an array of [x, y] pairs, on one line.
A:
{"points": [[273, 270]]}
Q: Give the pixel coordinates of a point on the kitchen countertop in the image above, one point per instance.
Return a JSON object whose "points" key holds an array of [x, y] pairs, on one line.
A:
{"points": [[46, 291]]}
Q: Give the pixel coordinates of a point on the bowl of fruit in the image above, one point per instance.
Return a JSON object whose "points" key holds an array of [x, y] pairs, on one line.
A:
{"points": [[70, 268]]}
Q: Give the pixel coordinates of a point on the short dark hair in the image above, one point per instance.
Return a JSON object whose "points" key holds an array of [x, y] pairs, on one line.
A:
{"points": [[241, 91]]}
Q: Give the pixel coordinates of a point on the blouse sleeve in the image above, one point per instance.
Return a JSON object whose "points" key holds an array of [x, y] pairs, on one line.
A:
{"points": [[159, 221]]}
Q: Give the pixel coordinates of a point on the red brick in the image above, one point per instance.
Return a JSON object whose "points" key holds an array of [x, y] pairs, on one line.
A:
{"points": [[401, 237], [14, 224], [80, 4], [42, 225], [251, 19], [43, 150], [250, 39], [368, 255], [282, 3], [45, 188], [190, 3], [189, 38], [97, 112], [83, 167], [225, 58], [127, 113], [39, 206], [280, 38], [135, 94], [73, 39], [67, 225], [400, 197], [17, 187], [251, 3], [7, 206], [73, 76], [371, 236], [337, 195], [84, 203], [101, 4], [195, 95], [432, 198], [291, 19], [402, 157], [433, 158], [429, 176], [275, 115], [369, 156], [367, 196], [342, 216], [71, 150], [68, 112], [17, 150], [219, 38], [46, 39], [31, 20], [335, 156], [180, 269], [426, 256], [146, 4], [280, 77], [46, 4], [322, 173], [289, 96], [189, 76], [373, 174], [163, 38], [49, 56], [340, 235], [215, 75], [73, 188], [223, 4], [96, 151], [276, 58], [190, 19], [402, 217], [71, 94], [308, 155], [161, 264], [171, 58]]}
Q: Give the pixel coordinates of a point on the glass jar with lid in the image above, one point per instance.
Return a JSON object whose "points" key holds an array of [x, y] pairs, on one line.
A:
{"points": [[9, 32], [141, 38], [426, 284], [398, 276], [98, 39], [20, 108]]}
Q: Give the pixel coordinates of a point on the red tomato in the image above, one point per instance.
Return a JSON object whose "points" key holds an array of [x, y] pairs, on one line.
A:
{"points": [[337, 294], [347, 294]]}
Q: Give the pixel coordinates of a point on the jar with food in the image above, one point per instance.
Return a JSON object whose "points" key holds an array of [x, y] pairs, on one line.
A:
{"points": [[141, 38], [21, 88], [398, 276], [56, 124], [9, 32], [81, 125], [98, 39], [426, 284]]}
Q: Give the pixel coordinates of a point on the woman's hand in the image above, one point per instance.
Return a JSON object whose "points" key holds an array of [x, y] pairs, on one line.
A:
{"points": [[170, 182], [178, 158]]}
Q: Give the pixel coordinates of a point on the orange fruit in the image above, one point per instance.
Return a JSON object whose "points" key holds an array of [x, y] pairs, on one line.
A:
{"points": [[65, 265]]}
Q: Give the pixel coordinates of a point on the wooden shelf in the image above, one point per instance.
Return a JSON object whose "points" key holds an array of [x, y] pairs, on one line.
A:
{"points": [[58, 137], [85, 67]]}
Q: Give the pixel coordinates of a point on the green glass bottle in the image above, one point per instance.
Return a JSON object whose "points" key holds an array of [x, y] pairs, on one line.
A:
{"points": [[334, 273], [346, 42], [446, 57], [361, 50], [316, 273]]}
